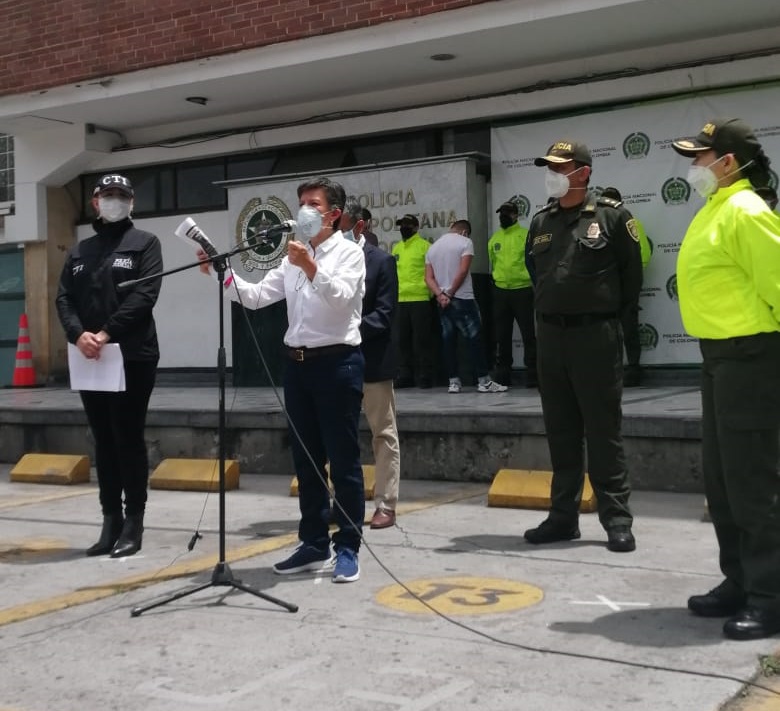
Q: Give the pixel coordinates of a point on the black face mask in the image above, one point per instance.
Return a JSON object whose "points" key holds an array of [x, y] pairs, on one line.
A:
{"points": [[506, 220], [407, 232]]}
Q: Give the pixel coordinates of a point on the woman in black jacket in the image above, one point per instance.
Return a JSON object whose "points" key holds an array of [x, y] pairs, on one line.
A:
{"points": [[94, 311]]}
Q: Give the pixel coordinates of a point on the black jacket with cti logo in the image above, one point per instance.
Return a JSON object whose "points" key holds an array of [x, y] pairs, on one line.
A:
{"points": [[89, 298]]}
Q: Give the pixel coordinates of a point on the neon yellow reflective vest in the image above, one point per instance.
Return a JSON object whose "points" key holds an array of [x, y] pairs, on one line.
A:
{"points": [[728, 269], [410, 263], [644, 244], [506, 252]]}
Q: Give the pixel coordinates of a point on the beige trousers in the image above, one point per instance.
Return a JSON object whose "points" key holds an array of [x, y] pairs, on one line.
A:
{"points": [[379, 406]]}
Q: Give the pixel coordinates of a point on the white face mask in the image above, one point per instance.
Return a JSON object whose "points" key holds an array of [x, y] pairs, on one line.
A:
{"points": [[309, 222], [113, 209], [704, 181], [557, 184]]}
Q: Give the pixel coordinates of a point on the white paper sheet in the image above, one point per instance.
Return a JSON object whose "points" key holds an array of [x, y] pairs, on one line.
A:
{"points": [[106, 374]]}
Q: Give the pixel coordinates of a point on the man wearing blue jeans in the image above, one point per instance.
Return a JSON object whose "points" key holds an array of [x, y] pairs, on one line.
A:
{"points": [[322, 278], [447, 265]]}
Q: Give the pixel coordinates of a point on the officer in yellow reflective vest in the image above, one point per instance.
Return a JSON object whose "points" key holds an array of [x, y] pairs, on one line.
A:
{"points": [[728, 280]]}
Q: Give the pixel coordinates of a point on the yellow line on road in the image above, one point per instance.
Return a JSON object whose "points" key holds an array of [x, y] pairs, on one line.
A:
{"points": [[86, 595], [12, 503]]}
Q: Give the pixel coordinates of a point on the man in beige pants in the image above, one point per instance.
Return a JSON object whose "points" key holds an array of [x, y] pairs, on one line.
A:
{"points": [[379, 305]]}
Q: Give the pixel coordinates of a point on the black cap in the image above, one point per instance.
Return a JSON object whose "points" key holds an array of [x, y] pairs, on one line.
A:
{"points": [[508, 206], [114, 181], [565, 151], [722, 136], [407, 218]]}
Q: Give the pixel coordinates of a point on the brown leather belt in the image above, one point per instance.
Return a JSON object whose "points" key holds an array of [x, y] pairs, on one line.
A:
{"points": [[573, 320], [302, 354]]}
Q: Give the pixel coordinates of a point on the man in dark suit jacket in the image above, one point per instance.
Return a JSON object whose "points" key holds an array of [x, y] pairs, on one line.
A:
{"points": [[379, 305]]}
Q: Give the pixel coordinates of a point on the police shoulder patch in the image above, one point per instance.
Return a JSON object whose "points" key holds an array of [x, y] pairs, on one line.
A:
{"points": [[542, 239], [633, 229], [609, 201]]}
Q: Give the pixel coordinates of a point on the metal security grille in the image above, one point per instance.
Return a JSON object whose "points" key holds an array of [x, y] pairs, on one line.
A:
{"points": [[6, 168]]}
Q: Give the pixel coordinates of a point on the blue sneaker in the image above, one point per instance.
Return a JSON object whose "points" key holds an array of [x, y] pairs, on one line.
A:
{"points": [[305, 558], [347, 569]]}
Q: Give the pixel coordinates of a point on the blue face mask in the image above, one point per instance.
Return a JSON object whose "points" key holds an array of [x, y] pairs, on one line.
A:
{"points": [[350, 235]]}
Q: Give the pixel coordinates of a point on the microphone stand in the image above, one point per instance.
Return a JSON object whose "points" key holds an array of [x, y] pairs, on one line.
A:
{"points": [[221, 576]]}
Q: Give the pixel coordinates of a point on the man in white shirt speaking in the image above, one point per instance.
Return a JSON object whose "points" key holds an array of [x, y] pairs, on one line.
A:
{"points": [[323, 280]]}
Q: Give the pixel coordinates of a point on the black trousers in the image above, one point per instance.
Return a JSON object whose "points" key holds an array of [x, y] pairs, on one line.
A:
{"points": [[740, 394], [117, 421], [581, 384], [414, 341], [630, 322], [510, 306]]}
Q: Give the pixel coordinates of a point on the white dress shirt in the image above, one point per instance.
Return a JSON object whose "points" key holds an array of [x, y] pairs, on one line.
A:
{"points": [[323, 312]]}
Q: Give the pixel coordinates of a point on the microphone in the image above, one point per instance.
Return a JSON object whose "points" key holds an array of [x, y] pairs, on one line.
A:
{"points": [[265, 237], [189, 231]]}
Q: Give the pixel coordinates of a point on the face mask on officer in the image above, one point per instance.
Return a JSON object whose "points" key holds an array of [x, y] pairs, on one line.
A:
{"points": [[558, 184], [407, 231], [114, 209], [349, 234], [506, 220], [703, 179]]}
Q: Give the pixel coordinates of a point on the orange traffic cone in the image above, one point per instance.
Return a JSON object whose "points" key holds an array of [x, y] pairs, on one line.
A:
{"points": [[24, 374]]}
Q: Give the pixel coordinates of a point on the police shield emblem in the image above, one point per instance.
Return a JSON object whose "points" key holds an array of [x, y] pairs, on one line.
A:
{"points": [[633, 230], [594, 231]]}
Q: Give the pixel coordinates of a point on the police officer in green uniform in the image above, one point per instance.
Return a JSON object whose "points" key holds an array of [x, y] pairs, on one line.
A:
{"points": [[728, 279], [583, 253]]}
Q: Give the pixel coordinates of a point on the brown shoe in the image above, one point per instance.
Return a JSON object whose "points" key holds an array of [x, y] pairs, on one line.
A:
{"points": [[383, 518]]}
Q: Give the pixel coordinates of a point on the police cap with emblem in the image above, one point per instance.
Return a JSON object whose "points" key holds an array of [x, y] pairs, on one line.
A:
{"points": [[565, 151], [114, 182], [722, 136]]}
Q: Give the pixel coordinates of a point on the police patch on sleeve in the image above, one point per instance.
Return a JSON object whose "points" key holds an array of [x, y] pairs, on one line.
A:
{"points": [[633, 230], [542, 239]]}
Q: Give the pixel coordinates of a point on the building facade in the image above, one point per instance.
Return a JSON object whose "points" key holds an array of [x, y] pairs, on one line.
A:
{"points": [[189, 97]]}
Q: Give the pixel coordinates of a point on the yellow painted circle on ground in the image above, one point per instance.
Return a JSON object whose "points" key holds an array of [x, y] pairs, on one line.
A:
{"points": [[460, 596]]}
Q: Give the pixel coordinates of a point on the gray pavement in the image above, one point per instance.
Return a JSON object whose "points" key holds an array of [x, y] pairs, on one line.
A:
{"points": [[566, 627]]}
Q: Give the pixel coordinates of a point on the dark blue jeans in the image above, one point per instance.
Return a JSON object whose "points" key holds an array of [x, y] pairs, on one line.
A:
{"points": [[462, 315], [323, 397]]}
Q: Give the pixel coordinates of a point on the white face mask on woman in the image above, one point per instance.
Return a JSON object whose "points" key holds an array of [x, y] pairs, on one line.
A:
{"points": [[309, 222], [113, 209], [558, 184], [704, 181]]}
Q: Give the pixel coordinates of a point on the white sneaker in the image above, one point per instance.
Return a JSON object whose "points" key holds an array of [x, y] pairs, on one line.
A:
{"points": [[454, 387], [491, 387]]}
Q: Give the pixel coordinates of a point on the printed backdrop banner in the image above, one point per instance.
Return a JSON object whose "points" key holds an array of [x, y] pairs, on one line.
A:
{"points": [[632, 151]]}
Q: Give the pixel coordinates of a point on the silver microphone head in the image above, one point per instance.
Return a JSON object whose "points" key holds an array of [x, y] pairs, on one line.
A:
{"points": [[290, 225]]}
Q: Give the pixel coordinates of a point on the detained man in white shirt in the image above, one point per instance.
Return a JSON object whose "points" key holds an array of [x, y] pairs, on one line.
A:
{"points": [[323, 280]]}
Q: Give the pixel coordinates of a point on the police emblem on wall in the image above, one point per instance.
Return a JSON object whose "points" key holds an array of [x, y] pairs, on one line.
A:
{"points": [[676, 191], [637, 145], [671, 287], [523, 205], [648, 337], [257, 217]]}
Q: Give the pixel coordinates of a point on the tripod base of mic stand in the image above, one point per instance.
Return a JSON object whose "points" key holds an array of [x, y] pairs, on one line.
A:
{"points": [[220, 577]]}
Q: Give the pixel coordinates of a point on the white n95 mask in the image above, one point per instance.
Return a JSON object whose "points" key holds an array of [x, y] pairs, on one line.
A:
{"points": [[309, 222]]}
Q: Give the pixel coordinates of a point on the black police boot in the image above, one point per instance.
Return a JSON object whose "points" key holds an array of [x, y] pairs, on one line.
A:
{"points": [[724, 600], [112, 527], [129, 542]]}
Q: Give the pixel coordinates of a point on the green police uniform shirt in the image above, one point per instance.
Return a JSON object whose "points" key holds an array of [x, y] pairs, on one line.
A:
{"points": [[506, 252], [410, 262], [586, 259], [728, 268]]}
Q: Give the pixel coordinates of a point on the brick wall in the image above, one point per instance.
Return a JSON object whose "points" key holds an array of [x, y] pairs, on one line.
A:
{"points": [[47, 43]]}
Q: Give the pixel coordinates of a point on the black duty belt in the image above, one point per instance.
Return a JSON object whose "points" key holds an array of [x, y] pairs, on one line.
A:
{"points": [[302, 354], [574, 320]]}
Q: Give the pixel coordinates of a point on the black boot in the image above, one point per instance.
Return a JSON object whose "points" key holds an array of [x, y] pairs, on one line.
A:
{"points": [[129, 542], [109, 534]]}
